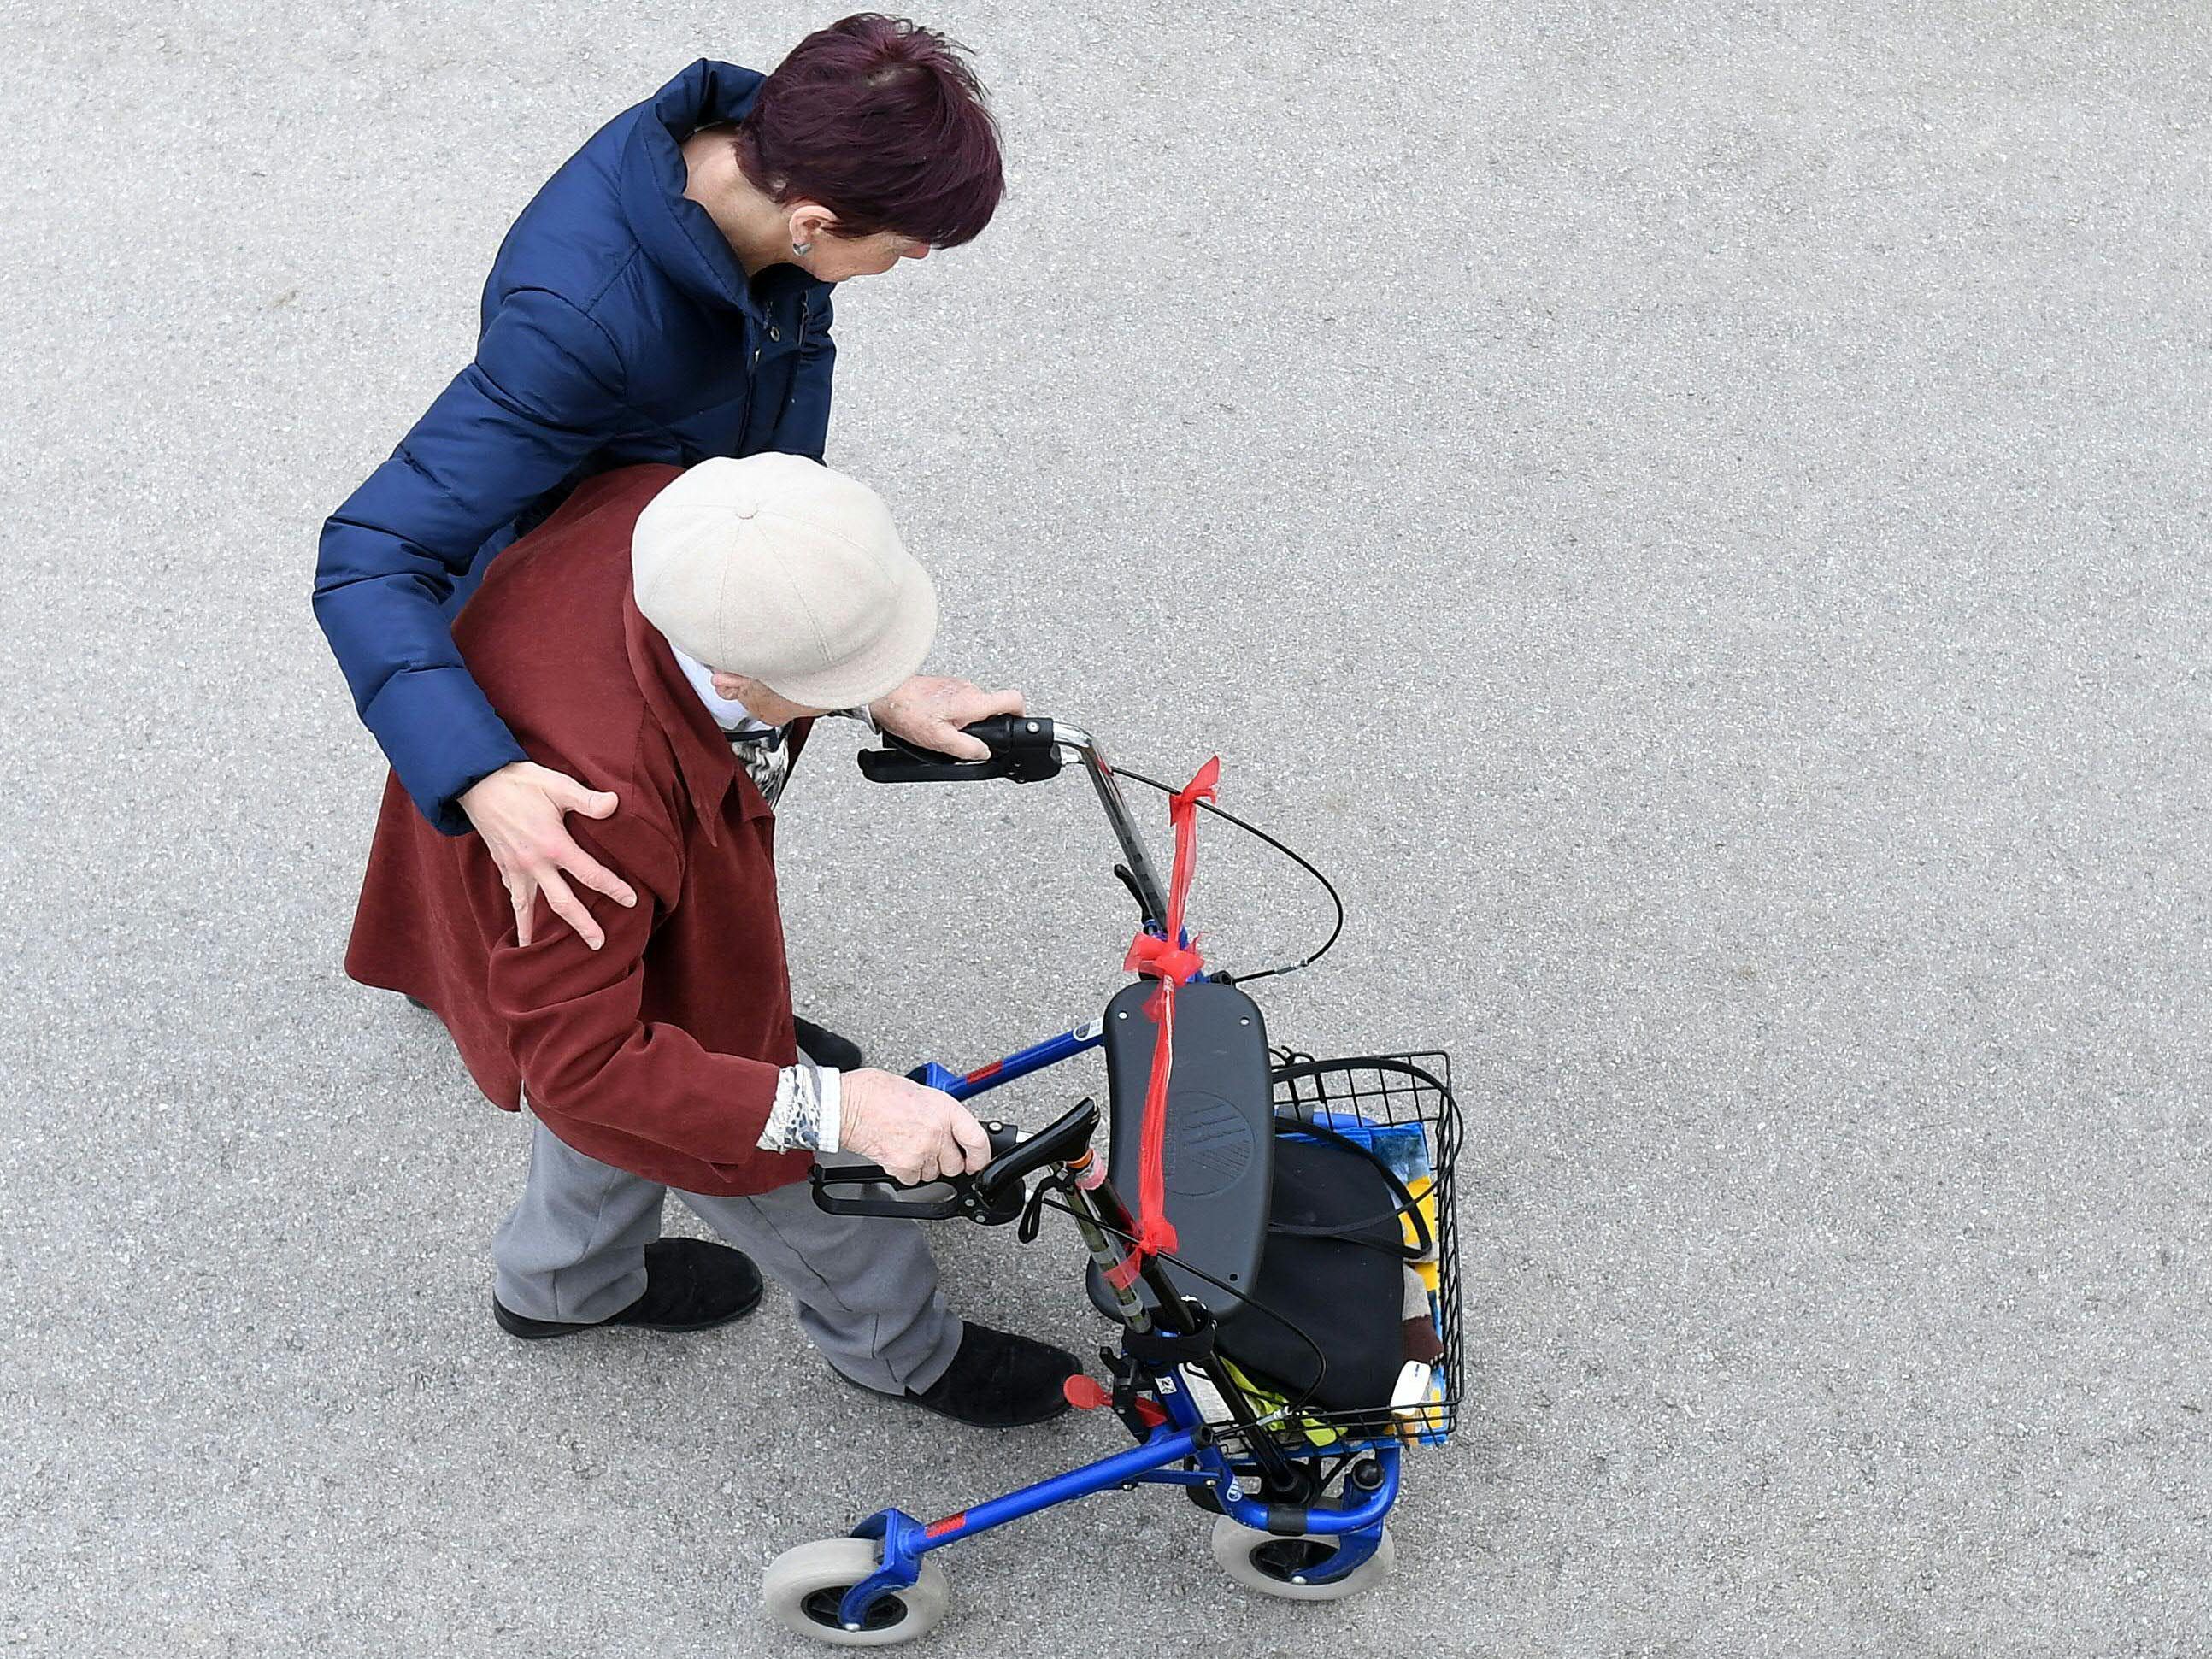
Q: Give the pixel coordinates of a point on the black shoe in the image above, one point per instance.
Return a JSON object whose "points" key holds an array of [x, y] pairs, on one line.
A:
{"points": [[826, 1048], [996, 1381], [690, 1285]]}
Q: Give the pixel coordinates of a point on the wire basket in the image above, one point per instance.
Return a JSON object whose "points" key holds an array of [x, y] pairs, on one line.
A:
{"points": [[1366, 1097]]}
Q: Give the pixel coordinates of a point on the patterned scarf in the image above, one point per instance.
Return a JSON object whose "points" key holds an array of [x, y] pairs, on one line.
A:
{"points": [[766, 757]]}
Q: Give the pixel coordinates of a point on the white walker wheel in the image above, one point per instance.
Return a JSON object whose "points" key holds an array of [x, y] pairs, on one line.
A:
{"points": [[803, 1586], [1260, 1561]]}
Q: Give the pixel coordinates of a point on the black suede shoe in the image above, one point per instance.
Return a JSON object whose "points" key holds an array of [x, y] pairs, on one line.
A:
{"points": [[996, 1381], [690, 1285], [826, 1048]]}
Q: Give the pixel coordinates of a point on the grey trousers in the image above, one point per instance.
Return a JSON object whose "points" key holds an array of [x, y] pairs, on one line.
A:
{"points": [[573, 1248]]}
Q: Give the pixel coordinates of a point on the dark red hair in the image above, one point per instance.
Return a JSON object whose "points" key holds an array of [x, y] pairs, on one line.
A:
{"points": [[882, 122]]}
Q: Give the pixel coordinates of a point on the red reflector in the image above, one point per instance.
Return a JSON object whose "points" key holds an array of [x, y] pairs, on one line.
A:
{"points": [[938, 1528], [1149, 1413], [983, 1071], [1084, 1393]]}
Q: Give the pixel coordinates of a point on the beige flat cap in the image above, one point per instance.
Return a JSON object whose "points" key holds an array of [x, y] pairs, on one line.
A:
{"points": [[774, 566]]}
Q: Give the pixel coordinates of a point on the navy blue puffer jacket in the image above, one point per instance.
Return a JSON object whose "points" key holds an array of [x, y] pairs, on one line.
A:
{"points": [[617, 327]]}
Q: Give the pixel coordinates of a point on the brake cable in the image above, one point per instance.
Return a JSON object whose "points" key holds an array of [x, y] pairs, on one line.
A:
{"points": [[1335, 897]]}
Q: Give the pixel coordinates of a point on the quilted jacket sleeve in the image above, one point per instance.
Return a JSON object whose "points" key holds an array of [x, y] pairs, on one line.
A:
{"points": [[804, 428], [544, 392]]}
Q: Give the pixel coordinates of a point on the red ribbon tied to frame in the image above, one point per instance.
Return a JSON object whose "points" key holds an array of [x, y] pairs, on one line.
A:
{"points": [[1170, 961]]}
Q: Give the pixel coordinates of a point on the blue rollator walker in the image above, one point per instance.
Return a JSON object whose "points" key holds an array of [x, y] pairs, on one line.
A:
{"points": [[1302, 1333]]}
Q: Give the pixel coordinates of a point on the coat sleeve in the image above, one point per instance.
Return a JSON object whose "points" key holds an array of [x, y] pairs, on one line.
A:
{"points": [[574, 1018], [804, 428], [544, 393]]}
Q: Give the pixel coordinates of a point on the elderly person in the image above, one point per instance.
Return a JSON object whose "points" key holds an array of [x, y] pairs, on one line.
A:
{"points": [[665, 297], [767, 591]]}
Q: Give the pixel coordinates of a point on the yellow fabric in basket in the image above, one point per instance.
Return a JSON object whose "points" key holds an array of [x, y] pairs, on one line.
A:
{"points": [[1422, 1191]]}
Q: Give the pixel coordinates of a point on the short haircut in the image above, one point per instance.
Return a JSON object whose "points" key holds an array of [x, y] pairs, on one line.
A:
{"points": [[882, 122]]}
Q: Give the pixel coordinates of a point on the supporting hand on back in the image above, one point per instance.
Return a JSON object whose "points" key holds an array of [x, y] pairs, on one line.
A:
{"points": [[519, 812]]}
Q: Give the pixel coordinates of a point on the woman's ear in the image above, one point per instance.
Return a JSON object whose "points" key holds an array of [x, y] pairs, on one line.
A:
{"points": [[810, 222]]}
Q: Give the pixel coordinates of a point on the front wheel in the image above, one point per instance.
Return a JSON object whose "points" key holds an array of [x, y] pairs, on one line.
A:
{"points": [[1281, 1566], [803, 1586]]}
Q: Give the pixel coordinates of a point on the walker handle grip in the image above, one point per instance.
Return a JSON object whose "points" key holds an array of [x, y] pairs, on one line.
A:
{"points": [[867, 1189], [1023, 748]]}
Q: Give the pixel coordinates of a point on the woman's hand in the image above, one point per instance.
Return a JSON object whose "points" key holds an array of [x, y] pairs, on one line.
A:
{"points": [[518, 810], [917, 1133], [930, 711]]}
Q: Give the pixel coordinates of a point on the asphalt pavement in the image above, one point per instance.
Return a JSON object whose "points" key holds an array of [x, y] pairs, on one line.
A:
{"points": [[1693, 513]]}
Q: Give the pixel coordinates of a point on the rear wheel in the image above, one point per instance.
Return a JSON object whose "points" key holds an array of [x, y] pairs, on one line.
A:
{"points": [[803, 1587], [1283, 1567]]}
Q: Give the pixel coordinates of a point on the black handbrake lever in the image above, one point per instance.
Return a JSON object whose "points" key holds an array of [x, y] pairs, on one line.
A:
{"points": [[960, 1196], [1064, 1138], [992, 1196]]}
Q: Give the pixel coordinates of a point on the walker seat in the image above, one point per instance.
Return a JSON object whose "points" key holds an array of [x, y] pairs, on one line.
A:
{"points": [[1219, 1147]]}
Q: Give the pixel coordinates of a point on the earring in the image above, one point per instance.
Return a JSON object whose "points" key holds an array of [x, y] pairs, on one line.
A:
{"points": [[802, 249]]}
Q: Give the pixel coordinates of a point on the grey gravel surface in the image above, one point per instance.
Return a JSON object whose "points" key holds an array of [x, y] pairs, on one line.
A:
{"points": [[1693, 512]]}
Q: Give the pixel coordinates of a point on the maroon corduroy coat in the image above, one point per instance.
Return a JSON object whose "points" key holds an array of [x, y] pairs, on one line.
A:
{"points": [[658, 1054]]}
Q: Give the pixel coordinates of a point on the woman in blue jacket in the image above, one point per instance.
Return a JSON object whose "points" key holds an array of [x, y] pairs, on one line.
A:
{"points": [[665, 297]]}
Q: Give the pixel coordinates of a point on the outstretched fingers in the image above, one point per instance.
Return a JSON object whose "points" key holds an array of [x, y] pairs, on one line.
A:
{"points": [[566, 905], [522, 894]]}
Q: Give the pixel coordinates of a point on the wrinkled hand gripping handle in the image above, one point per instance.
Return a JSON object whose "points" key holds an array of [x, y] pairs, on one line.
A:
{"points": [[1023, 748], [857, 1189], [992, 1196]]}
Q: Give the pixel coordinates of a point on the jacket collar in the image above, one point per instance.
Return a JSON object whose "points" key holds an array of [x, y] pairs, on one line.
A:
{"points": [[702, 754], [678, 235]]}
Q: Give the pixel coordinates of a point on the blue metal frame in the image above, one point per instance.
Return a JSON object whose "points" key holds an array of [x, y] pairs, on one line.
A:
{"points": [[965, 1086], [1185, 1435], [1022, 1062], [905, 1539]]}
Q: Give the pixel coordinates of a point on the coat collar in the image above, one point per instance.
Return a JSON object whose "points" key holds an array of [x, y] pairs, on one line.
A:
{"points": [[702, 754], [677, 234]]}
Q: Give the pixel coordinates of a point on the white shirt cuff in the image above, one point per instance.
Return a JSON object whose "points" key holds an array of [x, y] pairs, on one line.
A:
{"points": [[832, 1101]]}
